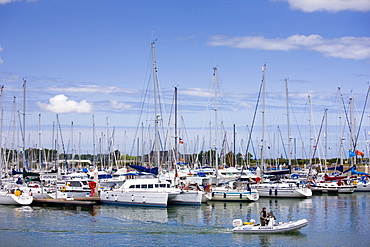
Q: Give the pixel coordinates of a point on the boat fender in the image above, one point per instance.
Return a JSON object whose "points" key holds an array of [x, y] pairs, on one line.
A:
{"points": [[132, 197], [240, 195], [213, 194], [144, 199], [276, 192], [224, 195], [270, 192], [18, 193]]}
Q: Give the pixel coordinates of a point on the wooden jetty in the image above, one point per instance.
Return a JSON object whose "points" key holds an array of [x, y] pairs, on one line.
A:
{"points": [[68, 202]]}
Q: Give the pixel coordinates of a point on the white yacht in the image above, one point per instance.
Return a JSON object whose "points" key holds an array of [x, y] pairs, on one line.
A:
{"points": [[234, 192], [332, 187], [361, 185], [15, 194], [282, 189], [149, 192]]}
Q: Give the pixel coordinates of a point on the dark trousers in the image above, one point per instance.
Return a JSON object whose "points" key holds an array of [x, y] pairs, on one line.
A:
{"points": [[263, 222]]}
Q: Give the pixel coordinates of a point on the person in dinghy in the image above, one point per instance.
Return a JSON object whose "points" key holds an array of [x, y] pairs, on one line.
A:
{"points": [[263, 217]]}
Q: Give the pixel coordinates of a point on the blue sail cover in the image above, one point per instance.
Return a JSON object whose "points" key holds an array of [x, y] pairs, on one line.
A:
{"points": [[145, 169], [350, 169], [336, 168], [277, 172], [354, 172]]}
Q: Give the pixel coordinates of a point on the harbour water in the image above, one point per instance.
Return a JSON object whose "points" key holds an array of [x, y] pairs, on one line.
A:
{"points": [[341, 220]]}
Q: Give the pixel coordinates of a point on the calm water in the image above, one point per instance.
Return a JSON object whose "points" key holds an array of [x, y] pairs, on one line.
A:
{"points": [[342, 220]]}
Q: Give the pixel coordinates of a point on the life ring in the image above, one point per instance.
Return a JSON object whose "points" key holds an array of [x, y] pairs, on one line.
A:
{"points": [[63, 188], [92, 185]]}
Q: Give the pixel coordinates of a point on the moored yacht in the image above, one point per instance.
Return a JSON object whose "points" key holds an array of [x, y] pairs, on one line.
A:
{"points": [[15, 194], [234, 192], [282, 189], [138, 192]]}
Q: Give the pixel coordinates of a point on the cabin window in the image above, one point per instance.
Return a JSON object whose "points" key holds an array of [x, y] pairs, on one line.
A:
{"points": [[168, 185], [137, 186], [144, 186], [75, 183], [150, 186], [132, 186], [156, 185], [162, 185]]}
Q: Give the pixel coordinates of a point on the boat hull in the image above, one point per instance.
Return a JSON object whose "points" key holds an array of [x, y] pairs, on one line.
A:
{"points": [[135, 198], [186, 198], [362, 187], [266, 191], [11, 199], [234, 196], [279, 228], [331, 187]]}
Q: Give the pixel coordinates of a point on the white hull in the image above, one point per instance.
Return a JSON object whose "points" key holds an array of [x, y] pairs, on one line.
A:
{"points": [[234, 195], [362, 187], [135, 198], [206, 197], [11, 199], [276, 228], [186, 198], [282, 190], [332, 187]]}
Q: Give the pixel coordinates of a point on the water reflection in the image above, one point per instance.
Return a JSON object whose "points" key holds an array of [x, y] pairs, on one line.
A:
{"points": [[344, 218], [142, 214]]}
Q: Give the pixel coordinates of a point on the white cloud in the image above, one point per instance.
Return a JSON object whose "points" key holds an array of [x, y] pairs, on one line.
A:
{"points": [[199, 92], [6, 1], [119, 105], [12, 1], [329, 5], [91, 89], [1, 61], [345, 47], [61, 104]]}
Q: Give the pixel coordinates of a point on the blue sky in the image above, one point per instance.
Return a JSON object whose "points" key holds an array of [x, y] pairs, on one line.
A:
{"points": [[85, 58]]}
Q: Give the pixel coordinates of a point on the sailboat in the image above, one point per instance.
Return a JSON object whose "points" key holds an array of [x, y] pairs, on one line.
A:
{"points": [[13, 193], [233, 190], [147, 190], [278, 188]]}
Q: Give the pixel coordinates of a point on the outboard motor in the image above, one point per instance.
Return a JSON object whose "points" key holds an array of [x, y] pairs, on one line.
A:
{"points": [[237, 222]]}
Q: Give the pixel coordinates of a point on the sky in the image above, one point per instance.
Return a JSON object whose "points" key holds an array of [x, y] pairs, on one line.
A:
{"points": [[89, 63]]}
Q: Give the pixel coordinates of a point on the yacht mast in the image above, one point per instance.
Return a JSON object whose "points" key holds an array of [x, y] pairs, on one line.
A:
{"points": [[176, 137], [340, 129], [1, 135], [263, 117], [157, 116], [310, 129], [40, 150], [215, 81], [25, 163], [288, 122]]}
